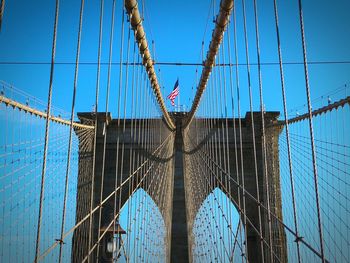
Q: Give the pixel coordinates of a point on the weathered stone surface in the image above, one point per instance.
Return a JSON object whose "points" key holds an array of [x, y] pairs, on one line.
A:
{"points": [[179, 232]]}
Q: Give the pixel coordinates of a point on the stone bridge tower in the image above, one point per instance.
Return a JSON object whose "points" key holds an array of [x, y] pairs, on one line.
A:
{"points": [[177, 221]]}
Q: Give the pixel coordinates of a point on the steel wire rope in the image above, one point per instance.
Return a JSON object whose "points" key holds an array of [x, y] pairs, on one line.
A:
{"points": [[201, 54], [217, 156], [222, 212], [135, 216], [212, 183], [120, 161], [5, 215], [343, 121], [152, 138], [221, 143], [138, 210], [22, 167], [105, 123], [236, 242], [135, 154], [287, 131], [324, 142], [253, 125], [234, 120], [215, 199], [75, 84], [209, 222], [248, 220], [227, 149], [146, 135], [47, 125], [329, 163], [114, 218], [27, 124], [140, 143], [176, 63], [148, 148], [52, 170], [138, 185], [208, 185], [131, 159], [217, 137], [262, 110], [301, 151], [302, 162], [98, 206], [24, 143], [272, 214], [314, 158], [193, 198], [213, 152], [14, 90], [325, 95], [239, 123], [327, 191], [16, 228], [104, 233], [209, 189], [134, 190], [98, 75]]}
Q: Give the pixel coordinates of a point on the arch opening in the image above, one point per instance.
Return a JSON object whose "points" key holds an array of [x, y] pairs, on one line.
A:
{"points": [[217, 231], [145, 230]]}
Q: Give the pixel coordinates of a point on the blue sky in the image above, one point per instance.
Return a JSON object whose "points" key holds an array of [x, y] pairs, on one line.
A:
{"points": [[177, 29]]}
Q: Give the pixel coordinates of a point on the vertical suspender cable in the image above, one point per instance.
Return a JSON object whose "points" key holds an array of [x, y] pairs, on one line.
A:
{"points": [[287, 133], [117, 163], [121, 162], [314, 164], [71, 127], [131, 153], [96, 125], [136, 23], [218, 180], [105, 125], [253, 129], [240, 132], [221, 22], [221, 144], [234, 126], [46, 143], [227, 151], [262, 110]]}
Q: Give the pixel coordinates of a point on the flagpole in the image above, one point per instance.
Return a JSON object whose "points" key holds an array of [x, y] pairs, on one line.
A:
{"points": [[178, 97], [175, 93]]}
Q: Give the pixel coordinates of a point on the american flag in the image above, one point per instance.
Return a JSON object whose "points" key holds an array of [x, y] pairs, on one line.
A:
{"points": [[174, 93]]}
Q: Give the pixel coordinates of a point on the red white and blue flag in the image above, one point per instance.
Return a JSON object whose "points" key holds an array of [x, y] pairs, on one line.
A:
{"points": [[174, 93]]}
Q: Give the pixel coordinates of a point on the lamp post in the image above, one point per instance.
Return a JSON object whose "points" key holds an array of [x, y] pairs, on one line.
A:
{"points": [[112, 242]]}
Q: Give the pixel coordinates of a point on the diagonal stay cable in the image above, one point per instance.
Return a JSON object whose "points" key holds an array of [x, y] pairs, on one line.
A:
{"points": [[44, 254], [262, 206]]}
